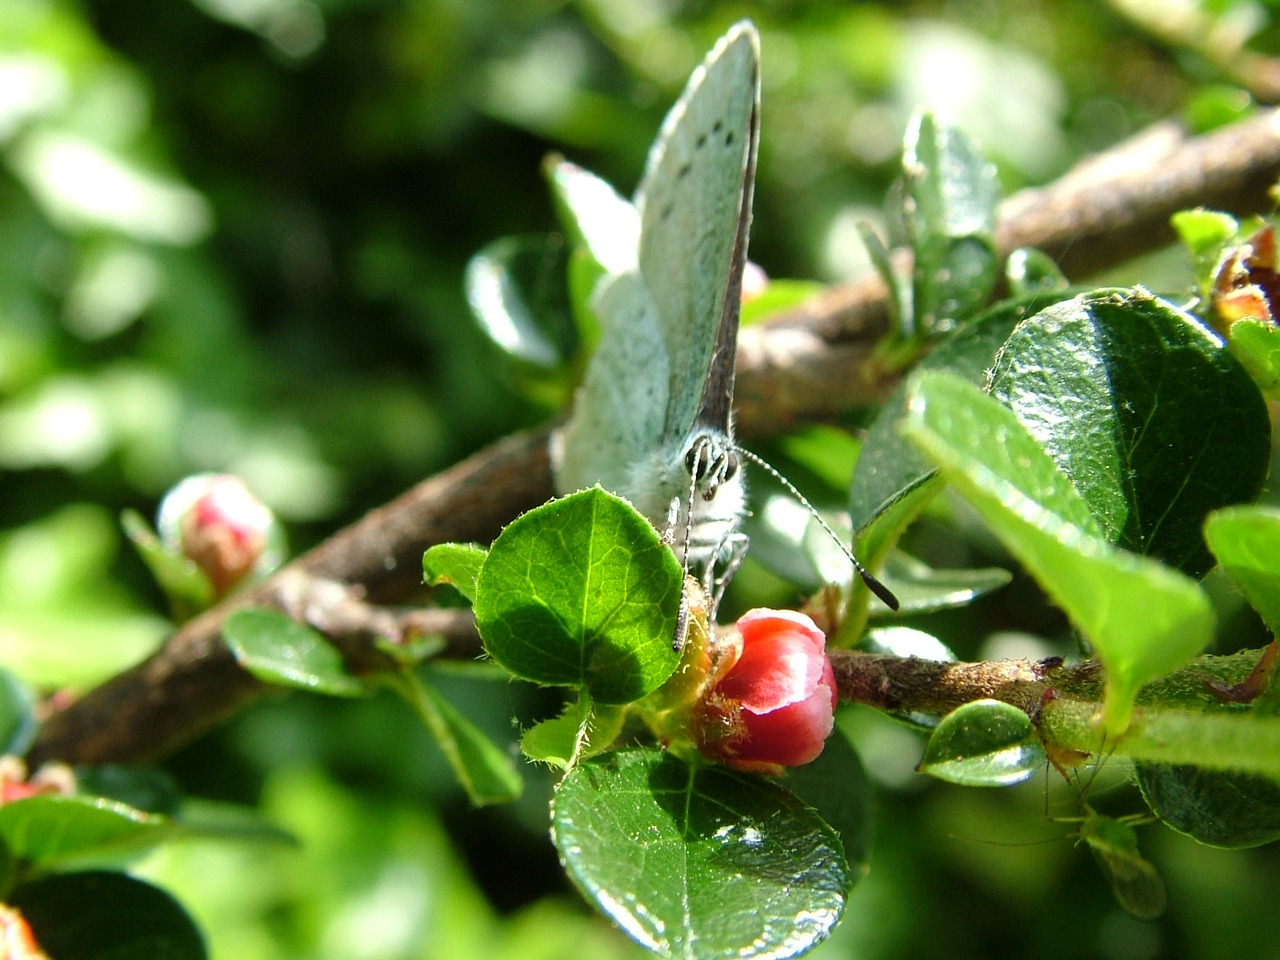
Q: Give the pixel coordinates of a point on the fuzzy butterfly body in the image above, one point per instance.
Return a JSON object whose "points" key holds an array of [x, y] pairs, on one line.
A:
{"points": [[653, 419]]}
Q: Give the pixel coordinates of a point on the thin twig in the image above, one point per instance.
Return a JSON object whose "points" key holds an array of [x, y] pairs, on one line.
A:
{"points": [[806, 365]]}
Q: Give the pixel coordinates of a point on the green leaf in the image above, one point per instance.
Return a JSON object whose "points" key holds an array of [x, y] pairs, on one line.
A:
{"points": [[890, 468], [1256, 344], [900, 312], [1029, 271], [699, 862], [1218, 808], [102, 915], [1151, 417], [582, 592], [49, 829], [457, 564], [484, 771], [1204, 233], [1246, 541], [1142, 619], [921, 588], [777, 296], [517, 294], [143, 788], [18, 724], [279, 650], [906, 642], [838, 788], [184, 583], [558, 740], [985, 743], [950, 211]]}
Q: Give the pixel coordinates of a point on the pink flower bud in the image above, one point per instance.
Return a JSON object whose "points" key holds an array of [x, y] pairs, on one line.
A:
{"points": [[774, 706], [215, 521]]}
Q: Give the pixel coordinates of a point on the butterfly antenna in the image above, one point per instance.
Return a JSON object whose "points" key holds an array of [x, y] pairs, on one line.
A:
{"points": [[875, 586]]}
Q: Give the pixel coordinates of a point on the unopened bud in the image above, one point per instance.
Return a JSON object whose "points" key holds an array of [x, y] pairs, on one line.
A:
{"points": [[224, 529]]}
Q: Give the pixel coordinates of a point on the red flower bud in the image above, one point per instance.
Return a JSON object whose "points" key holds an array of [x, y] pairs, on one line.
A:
{"points": [[774, 706], [216, 522]]}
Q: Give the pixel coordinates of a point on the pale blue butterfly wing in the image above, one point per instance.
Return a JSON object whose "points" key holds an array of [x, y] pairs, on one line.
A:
{"points": [[662, 375], [695, 210]]}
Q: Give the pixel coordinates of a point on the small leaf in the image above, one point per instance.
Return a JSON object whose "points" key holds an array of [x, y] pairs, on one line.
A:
{"points": [[555, 741], [1217, 808], [950, 212], [483, 770], [985, 743], [457, 564], [1256, 344], [1204, 233], [699, 862], [582, 592], [1029, 271], [1151, 417], [906, 642], [890, 468], [182, 581], [1142, 619], [777, 296], [103, 915], [49, 829], [838, 788], [516, 291], [143, 788], [921, 588], [279, 650], [900, 312], [18, 724], [1246, 541]]}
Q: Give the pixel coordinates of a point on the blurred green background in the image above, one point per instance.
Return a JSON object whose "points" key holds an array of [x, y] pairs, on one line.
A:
{"points": [[232, 236]]}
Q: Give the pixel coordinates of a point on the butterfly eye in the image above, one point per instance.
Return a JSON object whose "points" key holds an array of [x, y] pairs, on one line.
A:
{"points": [[710, 464]]}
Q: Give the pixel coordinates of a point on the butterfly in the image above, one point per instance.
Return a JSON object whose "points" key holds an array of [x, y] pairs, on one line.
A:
{"points": [[653, 420]]}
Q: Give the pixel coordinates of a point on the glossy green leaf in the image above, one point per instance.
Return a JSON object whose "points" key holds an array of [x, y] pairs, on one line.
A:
{"points": [[906, 642], [921, 588], [950, 213], [184, 583], [777, 296], [582, 592], [837, 786], [277, 649], [985, 743], [516, 290], [1246, 541], [143, 788], [101, 915], [1151, 417], [486, 772], [699, 862], [1204, 233], [17, 720], [1029, 271], [900, 312], [890, 468], [1256, 344], [1142, 619], [457, 564], [1218, 808], [49, 829]]}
